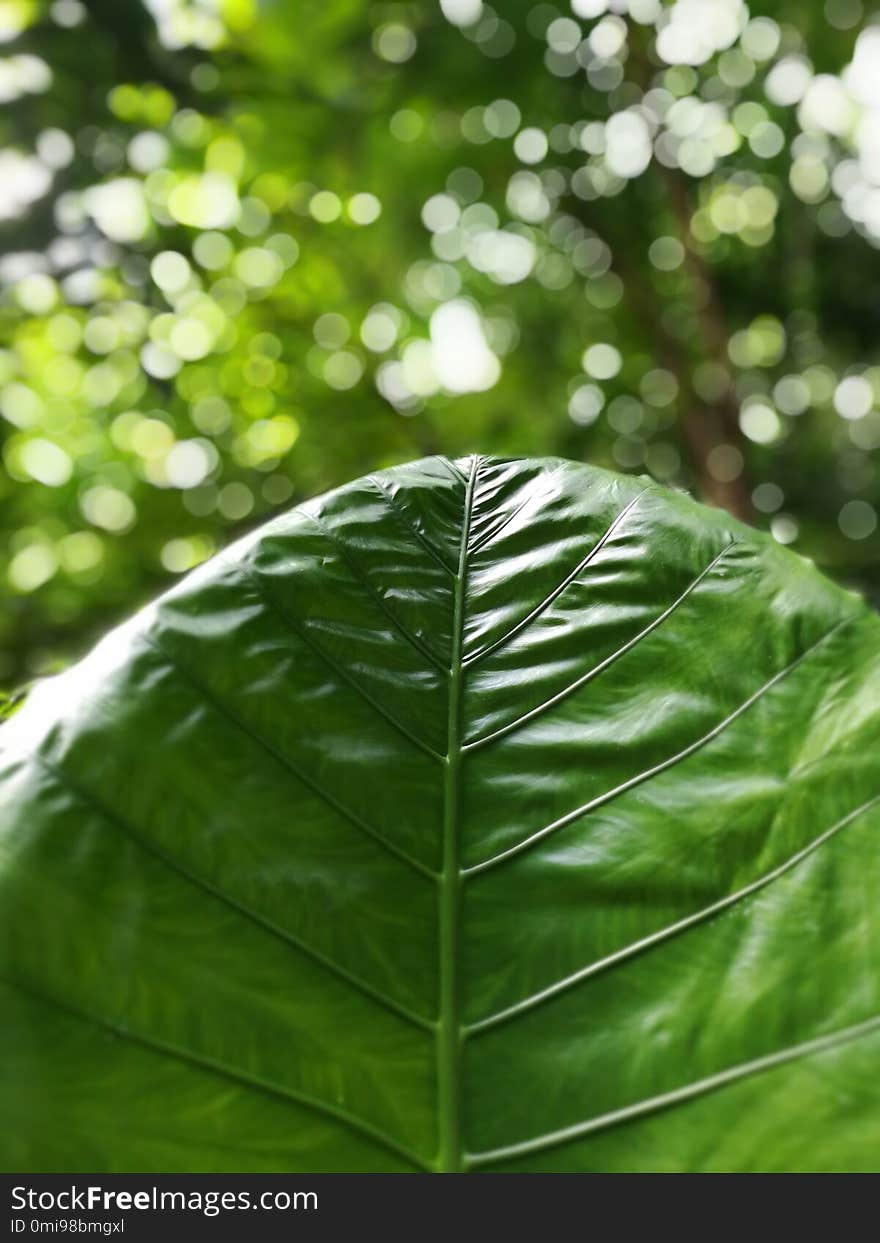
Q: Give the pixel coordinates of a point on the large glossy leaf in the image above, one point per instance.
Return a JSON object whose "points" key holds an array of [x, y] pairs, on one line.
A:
{"points": [[487, 815]]}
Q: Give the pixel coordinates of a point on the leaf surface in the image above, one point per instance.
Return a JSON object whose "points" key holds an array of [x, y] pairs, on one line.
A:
{"points": [[492, 815]]}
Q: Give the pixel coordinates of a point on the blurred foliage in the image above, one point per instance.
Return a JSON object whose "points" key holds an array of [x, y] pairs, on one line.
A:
{"points": [[252, 248]]}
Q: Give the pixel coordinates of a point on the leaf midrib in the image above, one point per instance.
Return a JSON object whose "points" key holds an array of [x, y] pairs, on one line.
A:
{"points": [[449, 1028]]}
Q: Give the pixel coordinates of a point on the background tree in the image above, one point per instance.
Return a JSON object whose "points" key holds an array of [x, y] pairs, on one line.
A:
{"points": [[253, 249]]}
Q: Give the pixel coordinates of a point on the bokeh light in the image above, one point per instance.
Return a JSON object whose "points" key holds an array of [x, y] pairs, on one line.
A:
{"points": [[632, 232]]}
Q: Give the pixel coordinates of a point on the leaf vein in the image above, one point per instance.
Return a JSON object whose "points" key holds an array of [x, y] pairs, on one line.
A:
{"points": [[496, 530], [202, 1062], [664, 934], [224, 710], [477, 743], [533, 838], [299, 629], [361, 577], [678, 1096], [557, 591], [391, 502], [142, 840]]}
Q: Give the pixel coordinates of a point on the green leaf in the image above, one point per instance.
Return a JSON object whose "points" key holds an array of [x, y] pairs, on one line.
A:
{"points": [[495, 815]]}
